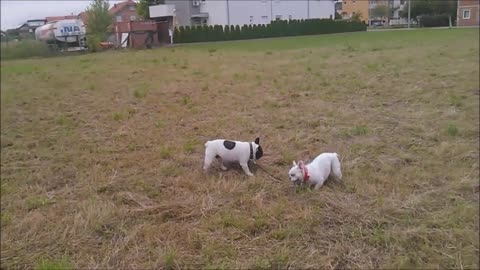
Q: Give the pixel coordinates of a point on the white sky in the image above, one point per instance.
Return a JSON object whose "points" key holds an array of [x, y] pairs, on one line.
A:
{"points": [[16, 12]]}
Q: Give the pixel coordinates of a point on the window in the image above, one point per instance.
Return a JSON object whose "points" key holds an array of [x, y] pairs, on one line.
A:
{"points": [[131, 7], [264, 18], [278, 17], [133, 18], [289, 17], [202, 1], [466, 14], [251, 19], [119, 18]]}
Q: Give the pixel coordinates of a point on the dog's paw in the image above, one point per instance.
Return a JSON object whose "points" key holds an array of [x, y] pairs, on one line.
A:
{"points": [[223, 168]]}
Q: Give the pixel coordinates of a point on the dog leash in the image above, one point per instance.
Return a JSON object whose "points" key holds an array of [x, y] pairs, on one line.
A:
{"points": [[269, 174]]}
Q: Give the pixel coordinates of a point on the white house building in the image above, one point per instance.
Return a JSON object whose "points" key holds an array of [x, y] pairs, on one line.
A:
{"points": [[240, 12]]}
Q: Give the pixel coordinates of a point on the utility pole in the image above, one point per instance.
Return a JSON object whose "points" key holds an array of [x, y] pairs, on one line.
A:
{"points": [[409, 6]]}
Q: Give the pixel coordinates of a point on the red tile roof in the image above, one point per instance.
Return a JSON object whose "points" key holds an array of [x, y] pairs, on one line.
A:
{"points": [[118, 7]]}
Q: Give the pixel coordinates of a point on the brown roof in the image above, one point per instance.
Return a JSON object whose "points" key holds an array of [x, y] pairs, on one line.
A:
{"points": [[118, 7], [83, 16], [56, 18]]}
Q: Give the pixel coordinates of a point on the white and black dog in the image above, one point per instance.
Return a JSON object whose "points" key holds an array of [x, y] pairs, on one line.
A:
{"points": [[317, 171], [232, 152]]}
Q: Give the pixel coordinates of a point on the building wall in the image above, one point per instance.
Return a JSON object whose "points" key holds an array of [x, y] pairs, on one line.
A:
{"points": [[235, 12], [183, 10], [350, 7], [126, 14], [473, 7]]}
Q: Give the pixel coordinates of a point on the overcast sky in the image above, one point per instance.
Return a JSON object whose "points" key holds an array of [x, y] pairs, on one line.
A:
{"points": [[16, 12]]}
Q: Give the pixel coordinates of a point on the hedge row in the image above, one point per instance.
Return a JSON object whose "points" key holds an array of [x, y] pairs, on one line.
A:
{"points": [[275, 29], [434, 20]]}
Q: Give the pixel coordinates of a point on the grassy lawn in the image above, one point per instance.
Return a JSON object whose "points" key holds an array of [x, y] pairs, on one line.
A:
{"points": [[102, 154]]}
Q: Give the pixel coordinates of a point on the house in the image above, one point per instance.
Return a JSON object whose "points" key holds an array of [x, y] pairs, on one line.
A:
{"points": [[28, 28], [355, 7], [121, 12], [228, 12], [468, 13], [58, 18], [124, 11]]}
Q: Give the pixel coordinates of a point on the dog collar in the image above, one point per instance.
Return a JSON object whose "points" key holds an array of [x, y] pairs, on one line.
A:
{"points": [[304, 168], [251, 152]]}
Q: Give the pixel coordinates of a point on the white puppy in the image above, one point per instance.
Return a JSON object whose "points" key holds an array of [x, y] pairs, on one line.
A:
{"points": [[317, 171], [232, 151]]}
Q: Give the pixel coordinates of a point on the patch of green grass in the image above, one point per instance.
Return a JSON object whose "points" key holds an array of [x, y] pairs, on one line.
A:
{"points": [[452, 130], [51, 264]]}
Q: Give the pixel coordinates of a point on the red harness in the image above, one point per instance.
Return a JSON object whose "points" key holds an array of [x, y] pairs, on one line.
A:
{"points": [[304, 169]]}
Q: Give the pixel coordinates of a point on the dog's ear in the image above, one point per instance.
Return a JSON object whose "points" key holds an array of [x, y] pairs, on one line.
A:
{"points": [[257, 140], [294, 163]]}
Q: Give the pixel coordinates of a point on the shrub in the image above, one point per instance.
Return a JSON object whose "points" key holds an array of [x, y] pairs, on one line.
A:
{"points": [[25, 49], [434, 20]]}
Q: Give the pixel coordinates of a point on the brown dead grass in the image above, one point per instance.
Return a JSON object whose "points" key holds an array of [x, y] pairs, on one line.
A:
{"points": [[102, 155]]}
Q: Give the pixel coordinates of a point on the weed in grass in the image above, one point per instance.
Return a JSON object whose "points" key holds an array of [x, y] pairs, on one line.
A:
{"points": [[5, 218], [373, 66], [34, 202], [159, 124], [170, 260], [268, 53], [452, 130], [117, 116], [279, 234], [155, 61], [212, 50], [171, 170], [455, 100], [359, 130], [186, 100], [190, 146], [309, 69], [141, 91], [166, 152], [49, 264]]}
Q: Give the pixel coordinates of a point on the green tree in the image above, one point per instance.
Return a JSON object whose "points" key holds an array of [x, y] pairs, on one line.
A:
{"points": [[98, 21], [379, 11], [430, 7], [143, 10]]}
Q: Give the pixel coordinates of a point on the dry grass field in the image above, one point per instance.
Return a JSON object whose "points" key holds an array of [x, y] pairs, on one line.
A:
{"points": [[102, 154]]}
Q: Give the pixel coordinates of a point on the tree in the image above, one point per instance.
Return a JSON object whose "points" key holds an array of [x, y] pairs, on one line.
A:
{"points": [[143, 10], [430, 7], [379, 11], [98, 21]]}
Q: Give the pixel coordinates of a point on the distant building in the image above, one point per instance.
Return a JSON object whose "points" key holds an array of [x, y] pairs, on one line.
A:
{"points": [[241, 12], [28, 28], [58, 18], [468, 13], [355, 7]]}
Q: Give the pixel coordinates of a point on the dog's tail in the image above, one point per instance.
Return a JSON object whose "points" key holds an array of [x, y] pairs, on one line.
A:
{"points": [[336, 167]]}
